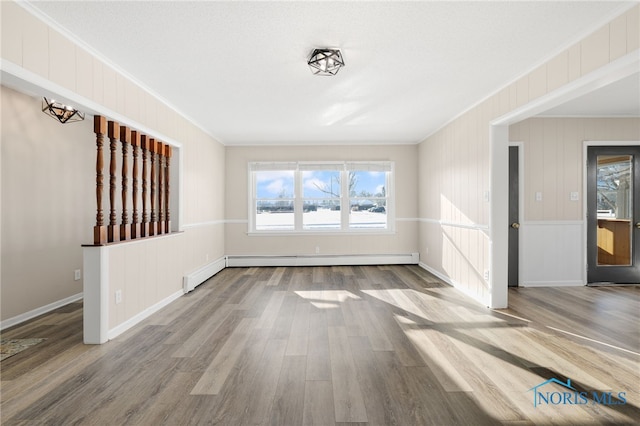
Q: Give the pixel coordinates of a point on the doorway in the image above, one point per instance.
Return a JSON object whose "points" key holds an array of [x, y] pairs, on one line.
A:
{"points": [[613, 214], [514, 217]]}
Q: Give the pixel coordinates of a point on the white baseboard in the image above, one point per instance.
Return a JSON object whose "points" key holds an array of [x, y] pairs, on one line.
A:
{"points": [[10, 322], [569, 283], [326, 260], [452, 283], [197, 277], [116, 331]]}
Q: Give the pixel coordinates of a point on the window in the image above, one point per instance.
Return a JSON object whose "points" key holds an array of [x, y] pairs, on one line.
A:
{"points": [[320, 197]]}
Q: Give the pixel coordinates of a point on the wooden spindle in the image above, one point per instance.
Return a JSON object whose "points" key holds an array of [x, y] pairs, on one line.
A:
{"points": [[135, 143], [99, 231], [160, 223], [152, 177], [144, 226], [125, 139], [113, 230], [167, 194]]}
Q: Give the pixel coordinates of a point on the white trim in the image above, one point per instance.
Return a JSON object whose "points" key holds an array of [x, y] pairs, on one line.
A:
{"points": [[343, 167], [208, 223], [95, 315], [475, 226], [407, 219], [327, 260], [453, 283], [136, 319], [15, 76], [616, 70], [200, 275], [571, 283], [552, 222], [10, 322], [587, 116], [498, 216], [329, 232]]}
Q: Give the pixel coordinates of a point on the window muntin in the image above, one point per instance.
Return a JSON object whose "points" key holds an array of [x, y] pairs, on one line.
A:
{"points": [[321, 197]]}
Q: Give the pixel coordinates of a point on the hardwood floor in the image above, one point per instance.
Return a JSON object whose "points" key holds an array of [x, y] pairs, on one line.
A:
{"points": [[386, 345]]}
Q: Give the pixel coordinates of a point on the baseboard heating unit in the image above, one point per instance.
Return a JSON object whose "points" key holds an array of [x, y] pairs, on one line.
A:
{"points": [[326, 260], [200, 275]]}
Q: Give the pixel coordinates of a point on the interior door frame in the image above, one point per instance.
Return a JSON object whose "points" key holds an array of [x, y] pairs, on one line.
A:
{"points": [[521, 232], [585, 222]]}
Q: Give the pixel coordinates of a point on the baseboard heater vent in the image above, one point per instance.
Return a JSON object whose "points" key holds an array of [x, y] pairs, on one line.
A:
{"points": [[327, 260], [199, 276]]}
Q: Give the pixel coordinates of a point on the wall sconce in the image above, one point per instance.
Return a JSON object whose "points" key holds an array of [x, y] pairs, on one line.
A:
{"points": [[63, 113], [326, 61]]}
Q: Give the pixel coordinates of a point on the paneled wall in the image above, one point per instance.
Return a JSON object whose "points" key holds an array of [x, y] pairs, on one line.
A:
{"points": [[41, 56], [553, 160], [552, 237], [455, 168], [403, 241]]}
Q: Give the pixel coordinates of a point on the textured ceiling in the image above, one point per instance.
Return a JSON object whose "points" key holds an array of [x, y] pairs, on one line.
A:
{"points": [[238, 69]]}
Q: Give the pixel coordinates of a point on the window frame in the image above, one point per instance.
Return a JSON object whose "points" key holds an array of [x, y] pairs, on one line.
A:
{"points": [[344, 167]]}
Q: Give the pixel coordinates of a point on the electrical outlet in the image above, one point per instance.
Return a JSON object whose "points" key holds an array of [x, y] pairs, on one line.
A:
{"points": [[538, 196], [486, 275], [77, 274], [118, 297], [574, 196], [317, 249]]}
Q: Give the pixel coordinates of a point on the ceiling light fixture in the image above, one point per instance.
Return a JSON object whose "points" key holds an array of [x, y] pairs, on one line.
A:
{"points": [[326, 61], [63, 113]]}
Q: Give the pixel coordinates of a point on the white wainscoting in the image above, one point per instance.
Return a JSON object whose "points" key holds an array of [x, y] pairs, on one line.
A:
{"points": [[552, 254]]}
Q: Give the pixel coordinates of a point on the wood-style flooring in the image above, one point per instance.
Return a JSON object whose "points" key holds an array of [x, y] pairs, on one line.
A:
{"points": [[377, 345]]}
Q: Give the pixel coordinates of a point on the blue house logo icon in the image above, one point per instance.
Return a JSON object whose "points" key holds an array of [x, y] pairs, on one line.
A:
{"points": [[569, 395], [545, 397]]}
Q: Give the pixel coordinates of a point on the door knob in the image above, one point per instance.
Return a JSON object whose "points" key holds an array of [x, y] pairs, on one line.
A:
{"points": [[516, 225], [638, 225]]}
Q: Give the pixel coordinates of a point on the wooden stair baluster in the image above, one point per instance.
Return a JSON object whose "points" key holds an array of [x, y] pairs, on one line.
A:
{"points": [[125, 138], [160, 150], [152, 177], [167, 215], [135, 226], [144, 226], [113, 230], [99, 230]]}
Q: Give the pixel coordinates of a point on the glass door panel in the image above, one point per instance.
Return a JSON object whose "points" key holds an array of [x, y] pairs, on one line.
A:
{"points": [[615, 206], [613, 214]]}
